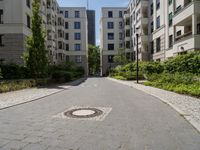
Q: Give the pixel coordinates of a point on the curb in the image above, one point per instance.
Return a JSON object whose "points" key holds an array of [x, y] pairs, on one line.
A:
{"points": [[71, 84], [186, 116]]}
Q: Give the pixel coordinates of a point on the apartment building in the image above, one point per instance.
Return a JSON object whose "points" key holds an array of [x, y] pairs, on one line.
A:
{"points": [[66, 29], [73, 36], [112, 36], [15, 23], [164, 28]]}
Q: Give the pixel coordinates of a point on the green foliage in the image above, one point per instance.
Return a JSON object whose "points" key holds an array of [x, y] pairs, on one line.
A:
{"points": [[186, 83], [119, 77], [152, 67], [93, 59], [13, 71], [65, 72], [7, 86], [189, 63], [36, 55], [62, 76], [120, 58]]}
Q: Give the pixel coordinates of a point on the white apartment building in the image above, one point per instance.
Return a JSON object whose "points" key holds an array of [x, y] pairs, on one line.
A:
{"points": [[112, 35], [66, 30], [166, 28], [15, 22], [74, 44]]}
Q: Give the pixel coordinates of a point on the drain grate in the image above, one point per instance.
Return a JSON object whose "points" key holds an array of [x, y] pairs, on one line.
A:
{"points": [[83, 113]]}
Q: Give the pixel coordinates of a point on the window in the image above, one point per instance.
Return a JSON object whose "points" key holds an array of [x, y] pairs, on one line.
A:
{"points": [[77, 14], [66, 25], [60, 45], [1, 40], [170, 19], [158, 22], [157, 4], [120, 45], [128, 44], [110, 14], [1, 16], [120, 25], [110, 58], [110, 36], [158, 44], [66, 36], [77, 47], [170, 2], [152, 47], [178, 33], [67, 58], [152, 27], [67, 47], [111, 47], [66, 14], [77, 25], [198, 28], [28, 21], [170, 41], [151, 9], [78, 59], [110, 25], [128, 33], [77, 36], [28, 3], [120, 14], [120, 36]]}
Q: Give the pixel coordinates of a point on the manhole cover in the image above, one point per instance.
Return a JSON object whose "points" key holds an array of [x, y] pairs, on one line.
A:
{"points": [[83, 113]]}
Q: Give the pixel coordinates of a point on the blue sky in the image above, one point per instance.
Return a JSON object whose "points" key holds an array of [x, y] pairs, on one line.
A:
{"points": [[95, 5]]}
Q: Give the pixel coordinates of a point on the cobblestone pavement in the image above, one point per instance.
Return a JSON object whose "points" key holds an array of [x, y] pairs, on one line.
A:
{"points": [[27, 95], [136, 121], [187, 106]]}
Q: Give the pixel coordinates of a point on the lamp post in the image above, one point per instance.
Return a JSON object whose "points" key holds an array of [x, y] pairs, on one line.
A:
{"points": [[137, 51]]}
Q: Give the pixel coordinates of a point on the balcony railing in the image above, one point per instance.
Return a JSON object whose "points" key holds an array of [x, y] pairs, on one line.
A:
{"points": [[183, 36], [186, 4]]}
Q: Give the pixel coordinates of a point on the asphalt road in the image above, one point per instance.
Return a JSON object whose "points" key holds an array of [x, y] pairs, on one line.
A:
{"points": [[137, 121]]}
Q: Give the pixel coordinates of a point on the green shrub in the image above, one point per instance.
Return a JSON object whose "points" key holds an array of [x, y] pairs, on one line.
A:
{"points": [[181, 83], [13, 71], [7, 86], [62, 76], [152, 67], [189, 63], [119, 77]]}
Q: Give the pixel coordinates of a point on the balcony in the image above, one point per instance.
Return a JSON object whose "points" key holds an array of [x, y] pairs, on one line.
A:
{"points": [[189, 8], [186, 43]]}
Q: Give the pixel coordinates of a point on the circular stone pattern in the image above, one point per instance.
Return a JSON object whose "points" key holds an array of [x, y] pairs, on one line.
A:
{"points": [[83, 113]]}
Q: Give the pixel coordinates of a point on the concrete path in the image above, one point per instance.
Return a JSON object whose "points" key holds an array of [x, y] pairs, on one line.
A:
{"points": [[137, 121]]}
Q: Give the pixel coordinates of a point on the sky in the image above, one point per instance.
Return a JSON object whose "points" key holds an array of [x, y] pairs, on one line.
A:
{"points": [[94, 5]]}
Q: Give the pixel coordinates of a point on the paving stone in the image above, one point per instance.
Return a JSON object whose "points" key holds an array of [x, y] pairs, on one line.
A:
{"points": [[35, 147], [3, 142], [14, 145]]}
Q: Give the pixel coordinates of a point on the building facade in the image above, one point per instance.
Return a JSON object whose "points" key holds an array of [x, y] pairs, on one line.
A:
{"points": [[165, 29], [112, 36], [66, 29]]}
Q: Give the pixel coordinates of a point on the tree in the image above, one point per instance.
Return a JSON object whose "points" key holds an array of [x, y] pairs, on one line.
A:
{"points": [[94, 59], [35, 56], [120, 58]]}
